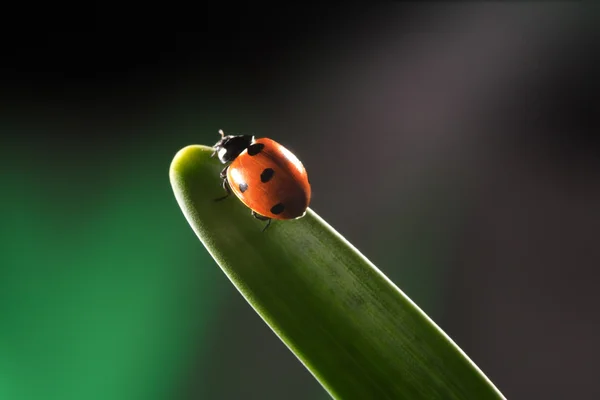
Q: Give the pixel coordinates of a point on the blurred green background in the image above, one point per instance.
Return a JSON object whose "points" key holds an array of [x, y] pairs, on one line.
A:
{"points": [[435, 150]]}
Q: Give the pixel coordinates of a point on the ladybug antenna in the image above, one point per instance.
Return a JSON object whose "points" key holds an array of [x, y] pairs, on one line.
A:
{"points": [[216, 147]]}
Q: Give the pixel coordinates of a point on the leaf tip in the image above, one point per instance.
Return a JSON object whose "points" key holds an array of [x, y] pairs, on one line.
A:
{"points": [[188, 157]]}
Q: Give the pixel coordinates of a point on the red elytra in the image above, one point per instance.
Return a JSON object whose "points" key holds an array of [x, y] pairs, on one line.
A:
{"points": [[268, 178]]}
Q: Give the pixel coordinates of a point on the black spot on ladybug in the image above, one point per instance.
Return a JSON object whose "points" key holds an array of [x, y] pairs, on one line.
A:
{"points": [[277, 208], [243, 187], [255, 148], [266, 175]]}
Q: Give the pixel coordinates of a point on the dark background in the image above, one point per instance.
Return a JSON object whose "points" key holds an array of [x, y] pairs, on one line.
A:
{"points": [[455, 145]]}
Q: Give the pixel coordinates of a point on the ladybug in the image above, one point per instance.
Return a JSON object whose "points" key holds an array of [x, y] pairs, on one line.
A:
{"points": [[268, 178]]}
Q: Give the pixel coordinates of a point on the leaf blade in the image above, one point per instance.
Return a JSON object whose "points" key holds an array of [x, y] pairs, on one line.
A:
{"points": [[354, 330]]}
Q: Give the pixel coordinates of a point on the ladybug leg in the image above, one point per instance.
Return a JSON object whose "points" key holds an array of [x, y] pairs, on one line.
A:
{"points": [[226, 187], [268, 224], [223, 176], [262, 218], [258, 216]]}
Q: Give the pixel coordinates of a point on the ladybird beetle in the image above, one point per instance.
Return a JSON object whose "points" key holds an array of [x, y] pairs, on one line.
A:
{"points": [[268, 178]]}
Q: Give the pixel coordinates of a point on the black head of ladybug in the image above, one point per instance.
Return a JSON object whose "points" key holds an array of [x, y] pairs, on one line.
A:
{"points": [[230, 146]]}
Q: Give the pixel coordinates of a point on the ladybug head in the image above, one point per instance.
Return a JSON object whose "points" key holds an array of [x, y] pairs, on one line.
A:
{"points": [[230, 146]]}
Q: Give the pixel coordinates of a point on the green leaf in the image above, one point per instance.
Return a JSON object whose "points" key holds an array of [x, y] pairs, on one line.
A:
{"points": [[355, 331]]}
